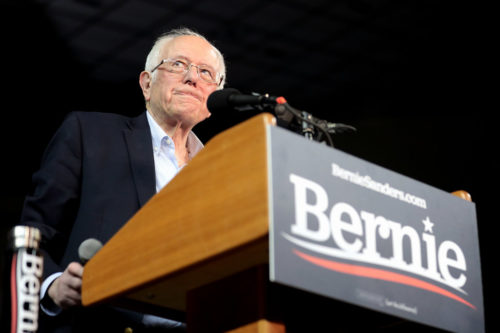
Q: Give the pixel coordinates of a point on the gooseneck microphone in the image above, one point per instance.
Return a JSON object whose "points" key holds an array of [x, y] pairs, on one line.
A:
{"points": [[87, 249], [288, 117]]}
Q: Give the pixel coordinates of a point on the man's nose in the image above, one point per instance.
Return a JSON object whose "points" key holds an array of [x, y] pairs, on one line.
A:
{"points": [[192, 74]]}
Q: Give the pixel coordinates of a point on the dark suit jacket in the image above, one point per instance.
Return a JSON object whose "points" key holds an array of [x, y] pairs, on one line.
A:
{"points": [[97, 171]]}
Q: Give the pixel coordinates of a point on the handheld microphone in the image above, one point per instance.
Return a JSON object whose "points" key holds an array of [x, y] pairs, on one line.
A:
{"points": [[87, 249]]}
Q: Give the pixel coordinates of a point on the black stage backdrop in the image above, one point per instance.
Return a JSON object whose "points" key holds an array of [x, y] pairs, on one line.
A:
{"points": [[412, 77]]}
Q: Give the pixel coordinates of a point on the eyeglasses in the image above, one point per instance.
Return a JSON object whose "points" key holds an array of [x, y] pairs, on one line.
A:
{"points": [[180, 66]]}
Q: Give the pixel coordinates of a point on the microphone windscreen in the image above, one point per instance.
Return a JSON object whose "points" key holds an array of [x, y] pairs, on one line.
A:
{"points": [[88, 248], [219, 99]]}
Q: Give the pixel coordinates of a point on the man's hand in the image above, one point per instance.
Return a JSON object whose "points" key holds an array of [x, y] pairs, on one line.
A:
{"points": [[65, 291]]}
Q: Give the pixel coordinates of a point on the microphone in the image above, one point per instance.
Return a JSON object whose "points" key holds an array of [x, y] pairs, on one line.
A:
{"points": [[87, 249], [335, 128], [232, 98]]}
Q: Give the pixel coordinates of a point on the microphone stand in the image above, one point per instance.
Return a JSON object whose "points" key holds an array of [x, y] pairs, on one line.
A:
{"points": [[307, 128], [287, 113]]}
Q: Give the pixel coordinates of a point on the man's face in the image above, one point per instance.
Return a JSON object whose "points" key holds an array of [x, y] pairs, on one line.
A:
{"points": [[177, 97]]}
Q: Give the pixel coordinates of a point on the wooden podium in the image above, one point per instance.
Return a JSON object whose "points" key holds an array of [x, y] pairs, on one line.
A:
{"points": [[208, 224], [198, 251]]}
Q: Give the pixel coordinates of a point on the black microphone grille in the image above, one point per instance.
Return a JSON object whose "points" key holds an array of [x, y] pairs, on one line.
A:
{"points": [[88, 248], [219, 98]]}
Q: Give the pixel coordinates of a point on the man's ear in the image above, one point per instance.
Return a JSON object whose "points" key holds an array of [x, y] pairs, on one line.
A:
{"points": [[145, 81]]}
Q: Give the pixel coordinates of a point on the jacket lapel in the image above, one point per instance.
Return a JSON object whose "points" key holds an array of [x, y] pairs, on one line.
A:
{"points": [[140, 148]]}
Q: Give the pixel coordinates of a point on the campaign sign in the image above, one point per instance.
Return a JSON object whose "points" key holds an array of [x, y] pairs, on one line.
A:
{"points": [[347, 229]]}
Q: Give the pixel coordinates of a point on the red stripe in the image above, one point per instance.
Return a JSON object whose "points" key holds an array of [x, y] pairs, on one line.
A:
{"points": [[380, 274], [13, 295]]}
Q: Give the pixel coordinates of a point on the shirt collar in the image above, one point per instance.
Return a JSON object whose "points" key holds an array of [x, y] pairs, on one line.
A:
{"points": [[194, 144]]}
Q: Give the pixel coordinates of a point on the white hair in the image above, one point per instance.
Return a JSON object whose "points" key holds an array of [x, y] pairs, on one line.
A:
{"points": [[154, 56]]}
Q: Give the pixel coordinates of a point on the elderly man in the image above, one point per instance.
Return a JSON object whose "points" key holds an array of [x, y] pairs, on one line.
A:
{"points": [[99, 169]]}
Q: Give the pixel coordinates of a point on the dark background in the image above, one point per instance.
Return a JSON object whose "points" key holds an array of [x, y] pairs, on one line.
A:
{"points": [[411, 76]]}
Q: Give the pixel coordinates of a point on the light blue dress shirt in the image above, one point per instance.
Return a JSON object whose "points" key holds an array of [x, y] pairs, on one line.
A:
{"points": [[166, 166]]}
